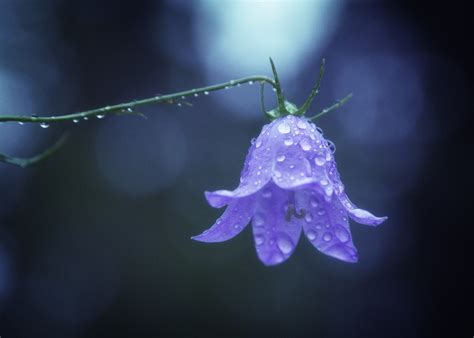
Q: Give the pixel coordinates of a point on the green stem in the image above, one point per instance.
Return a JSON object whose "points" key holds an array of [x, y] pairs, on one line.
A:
{"points": [[26, 162], [130, 106]]}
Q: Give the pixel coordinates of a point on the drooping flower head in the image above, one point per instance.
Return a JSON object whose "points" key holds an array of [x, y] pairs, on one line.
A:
{"points": [[289, 184]]}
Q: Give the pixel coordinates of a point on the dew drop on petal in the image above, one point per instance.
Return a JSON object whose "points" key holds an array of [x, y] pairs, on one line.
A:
{"points": [[311, 235], [284, 128], [319, 161], [258, 220], [329, 190], [313, 202], [323, 182], [285, 245], [288, 141], [308, 217], [277, 173], [44, 125], [280, 158], [331, 146], [327, 237], [319, 130], [75, 121], [301, 124], [321, 212], [305, 145], [342, 234], [267, 193], [258, 143], [318, 226], [259, 239], [236, 225], [206, 93]]}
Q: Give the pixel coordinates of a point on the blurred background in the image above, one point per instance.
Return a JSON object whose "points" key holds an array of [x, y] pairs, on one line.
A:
{"points": [[96, 242]]}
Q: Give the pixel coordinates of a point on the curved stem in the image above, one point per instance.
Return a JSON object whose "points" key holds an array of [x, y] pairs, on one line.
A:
{"points": [[128, 107], [26, 162]]}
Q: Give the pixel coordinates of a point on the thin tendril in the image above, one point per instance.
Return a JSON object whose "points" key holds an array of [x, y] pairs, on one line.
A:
{"points": [[314, 91], [331, 108], [26, 162], [280, 98]]}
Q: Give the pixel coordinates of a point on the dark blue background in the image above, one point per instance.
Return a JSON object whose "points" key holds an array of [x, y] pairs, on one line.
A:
{"points": [[95, 241]]}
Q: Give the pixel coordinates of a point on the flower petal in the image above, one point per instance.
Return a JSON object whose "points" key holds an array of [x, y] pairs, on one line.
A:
{"points": [[276, 235], [359, 215], [300, 153], [326, 226], [255, 175], [234, 219]]}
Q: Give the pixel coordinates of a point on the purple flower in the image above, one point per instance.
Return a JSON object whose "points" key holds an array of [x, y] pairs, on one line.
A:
{"points": [[289, 183]]}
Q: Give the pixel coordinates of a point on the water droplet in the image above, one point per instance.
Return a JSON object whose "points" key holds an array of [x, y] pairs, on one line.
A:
{"points": [[206, 93], [183, 97], [331, 146], [21, 123], [179, 104], [284, 128], [311, 235], [75, 121], [280, 158], [323, 182], [318, 226], [305, 145], [258, 220], [44, 125], [308, 217], [196, 94], [100, 116], [274, 89], [236, 226], [277, 173], [292, 178], [267, 193], [319, 130], [314, 202], [288, 141], [285, 245], [327, 237], [258, 143], [301, 124], [250, 82], [342, 234], [321, 212], [329, 190], [219, 221], [85, 118], [252, 141], [226, 87], [319, 161], [259, 239], [292, 166]]}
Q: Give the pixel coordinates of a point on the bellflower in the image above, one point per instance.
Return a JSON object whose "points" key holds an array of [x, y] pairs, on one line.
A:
{"points": [[289, 183]]}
